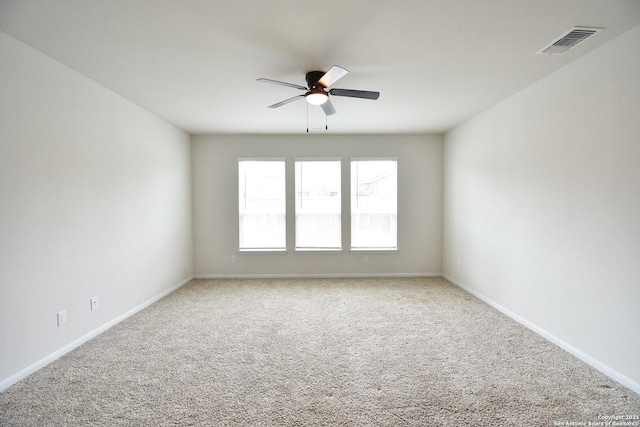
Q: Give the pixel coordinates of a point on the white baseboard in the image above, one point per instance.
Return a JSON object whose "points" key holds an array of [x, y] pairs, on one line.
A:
{"points": [[608, 371], [8, 382], [312, 276]]}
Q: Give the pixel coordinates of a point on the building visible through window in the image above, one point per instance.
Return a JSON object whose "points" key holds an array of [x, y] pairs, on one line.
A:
{"points": [[374, 204], [262, 204]]}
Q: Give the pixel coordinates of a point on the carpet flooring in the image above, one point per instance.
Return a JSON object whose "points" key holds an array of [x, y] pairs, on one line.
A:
{"points": [[317, 352]]}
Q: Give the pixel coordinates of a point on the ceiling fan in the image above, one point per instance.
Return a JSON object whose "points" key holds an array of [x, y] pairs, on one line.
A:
{"points": [[316, 93]]}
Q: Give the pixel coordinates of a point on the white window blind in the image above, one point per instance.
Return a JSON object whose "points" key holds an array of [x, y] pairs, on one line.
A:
{"points": [[318, 205], [262, 205], [374, 204]]}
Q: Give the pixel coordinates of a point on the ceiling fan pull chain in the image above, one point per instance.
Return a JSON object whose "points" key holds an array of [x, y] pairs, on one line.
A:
{"points": [[307, 117]]}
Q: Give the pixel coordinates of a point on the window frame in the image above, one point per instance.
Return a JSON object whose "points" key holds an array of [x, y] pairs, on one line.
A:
{"points": [[317, 250], [290, 204], [380, 250], [278, 250]]}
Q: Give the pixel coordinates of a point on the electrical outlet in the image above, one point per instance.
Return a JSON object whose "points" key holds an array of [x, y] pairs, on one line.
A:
{"points": [[62, 317], [233, 258], [366, 258], [94, 303]]}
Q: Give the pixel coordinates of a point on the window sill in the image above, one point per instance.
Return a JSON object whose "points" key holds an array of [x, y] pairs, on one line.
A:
{"points": [[262, 252], [317, 251], [374, 251]]}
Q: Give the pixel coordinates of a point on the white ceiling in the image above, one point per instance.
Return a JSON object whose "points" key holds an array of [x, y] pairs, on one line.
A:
{"points": [[195, 62]]}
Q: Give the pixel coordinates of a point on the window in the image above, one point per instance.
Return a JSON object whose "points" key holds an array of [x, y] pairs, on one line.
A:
{"points": [[318, 217], [374, 205], [262, 205]]}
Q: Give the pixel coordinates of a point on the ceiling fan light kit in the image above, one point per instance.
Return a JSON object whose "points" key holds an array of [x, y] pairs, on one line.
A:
{"points": [[316, 97], [315, 93]]}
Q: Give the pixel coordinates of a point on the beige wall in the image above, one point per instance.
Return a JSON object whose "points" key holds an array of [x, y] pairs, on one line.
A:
{"points": [[216, 204], [542, 206], [95, 201]]}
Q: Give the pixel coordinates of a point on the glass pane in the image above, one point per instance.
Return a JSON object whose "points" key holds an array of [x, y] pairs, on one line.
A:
{"points": [[262, 205], [318, 205], [374, 215]]}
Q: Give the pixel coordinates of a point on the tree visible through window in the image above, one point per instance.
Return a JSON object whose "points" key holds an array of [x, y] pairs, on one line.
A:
{"points": [[262, 205], [374, 204]]}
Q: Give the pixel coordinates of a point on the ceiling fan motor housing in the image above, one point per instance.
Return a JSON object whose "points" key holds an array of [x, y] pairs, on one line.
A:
{"points": [[312, 78]]}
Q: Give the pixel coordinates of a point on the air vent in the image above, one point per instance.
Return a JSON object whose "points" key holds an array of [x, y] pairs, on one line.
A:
{"points": [[568, 40]]}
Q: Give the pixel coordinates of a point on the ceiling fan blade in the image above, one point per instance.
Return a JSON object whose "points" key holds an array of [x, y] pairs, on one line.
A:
{"points": [[328, 108], [332, 76], [286, 101], [364, 94], [276, 82]]}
